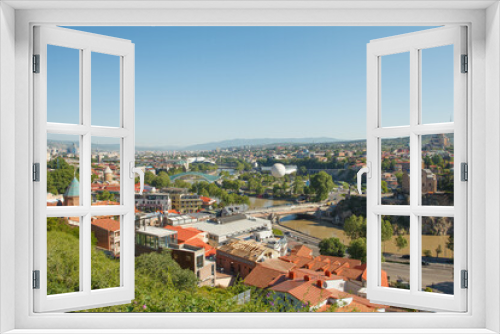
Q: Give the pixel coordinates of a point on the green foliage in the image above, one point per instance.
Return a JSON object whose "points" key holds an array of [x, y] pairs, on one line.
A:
{"points": [[105, 196], [59, 175], [450, 244], [181, 184], [162, 180], [149, 178], [387, 231], [401, 242], [427, 253], [385, 190], [277, 232], [357, 249], [332, 247], [62, 262], [321, 184], [355, 227]]}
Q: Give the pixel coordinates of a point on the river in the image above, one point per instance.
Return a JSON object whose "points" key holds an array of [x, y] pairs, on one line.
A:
{"points": [[314, 228], [256, 203]]}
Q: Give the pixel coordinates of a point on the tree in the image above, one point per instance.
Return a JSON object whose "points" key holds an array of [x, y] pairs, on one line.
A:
{"points": [[321, 184], [427, 253], [59, 175], [355, 227], [439, 250], [161, 181], [437, 159], [357, 249], [332, 247], [451, 243], [385, 190], [259, 190], [105, 196], [149, 178], [387, 231], [401, 242]]}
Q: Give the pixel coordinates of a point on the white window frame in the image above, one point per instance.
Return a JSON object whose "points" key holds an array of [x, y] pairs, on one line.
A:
{"points": [[86, 44], [414, 43], [483, 21]]}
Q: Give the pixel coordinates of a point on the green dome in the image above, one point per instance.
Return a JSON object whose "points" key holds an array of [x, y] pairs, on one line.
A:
{"points": [[73, 189]]}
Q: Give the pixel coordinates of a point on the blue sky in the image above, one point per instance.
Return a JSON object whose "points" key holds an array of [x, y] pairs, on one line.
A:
{"points": [[203, 84]]}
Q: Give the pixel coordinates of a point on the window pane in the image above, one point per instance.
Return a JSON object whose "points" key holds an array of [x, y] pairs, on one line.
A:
{"points": [[106, 171], [395, 169], [63, 85], [63, 255], [63, 170], [437, 254], [105, 90], [395, 89], [437, 84], [395, 237], [437, 170], [105, 252]]}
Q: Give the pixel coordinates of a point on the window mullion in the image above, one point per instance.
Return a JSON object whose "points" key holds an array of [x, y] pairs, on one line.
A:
{"points": [[85, 173], [414, 167]]}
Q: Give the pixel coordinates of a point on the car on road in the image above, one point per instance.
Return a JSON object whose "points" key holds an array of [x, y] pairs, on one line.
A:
{"points": [[425, 263]]}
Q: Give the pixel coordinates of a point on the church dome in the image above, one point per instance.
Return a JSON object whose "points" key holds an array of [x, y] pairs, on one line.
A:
{"points": [[73, 189]]}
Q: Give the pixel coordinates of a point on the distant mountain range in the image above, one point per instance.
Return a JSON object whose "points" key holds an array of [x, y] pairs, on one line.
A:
{"points": [[212, 145], [239, 143]]}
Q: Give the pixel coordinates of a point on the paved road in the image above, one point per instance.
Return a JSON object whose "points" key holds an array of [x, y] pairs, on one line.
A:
{"points": [[437, 276]]}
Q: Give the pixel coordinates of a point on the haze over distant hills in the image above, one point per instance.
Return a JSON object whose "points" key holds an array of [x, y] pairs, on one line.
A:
{"points": [[212, 145], [238, 143]]}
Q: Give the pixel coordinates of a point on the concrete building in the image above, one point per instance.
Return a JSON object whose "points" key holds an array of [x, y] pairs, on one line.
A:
{"points": [[193, 258], [183, 201], [151, 238], [153, 202], [220, 231]]}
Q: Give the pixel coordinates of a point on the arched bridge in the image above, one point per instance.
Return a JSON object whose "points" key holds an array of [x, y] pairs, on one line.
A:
{"points": [[206, 177]]}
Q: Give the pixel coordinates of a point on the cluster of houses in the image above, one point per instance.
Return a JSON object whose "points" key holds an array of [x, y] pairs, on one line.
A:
{"points": [[318, 283]]}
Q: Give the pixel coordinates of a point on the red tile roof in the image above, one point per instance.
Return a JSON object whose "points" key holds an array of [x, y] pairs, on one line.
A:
{"points": [[106, 203], [384, 281], [305, 291], [107, 224], [279, 265], [262, 277], [209, 250], [185, 234], [301, 250]]}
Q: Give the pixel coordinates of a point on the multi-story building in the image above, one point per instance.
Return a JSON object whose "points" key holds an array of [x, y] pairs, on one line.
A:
{"points": [[193, 258], [183, 201], [239, 257], [153, 202], [107, 233], [150, 239]]}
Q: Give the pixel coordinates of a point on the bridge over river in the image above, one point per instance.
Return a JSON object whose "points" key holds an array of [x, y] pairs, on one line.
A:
{"points": [[206, 177], [284, 210]]}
